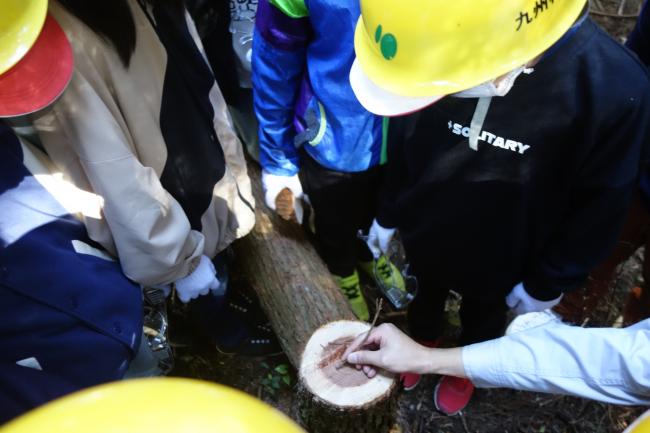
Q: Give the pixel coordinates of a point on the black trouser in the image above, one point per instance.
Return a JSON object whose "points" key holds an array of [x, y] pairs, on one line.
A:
{"points": [[343, 204], [482, 318]]}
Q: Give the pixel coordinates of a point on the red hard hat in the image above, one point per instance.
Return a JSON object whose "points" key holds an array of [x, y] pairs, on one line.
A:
{"points": [[40, 76]]}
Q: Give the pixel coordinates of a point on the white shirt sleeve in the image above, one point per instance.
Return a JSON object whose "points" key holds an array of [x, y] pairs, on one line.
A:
{"points": [[606, 364]]}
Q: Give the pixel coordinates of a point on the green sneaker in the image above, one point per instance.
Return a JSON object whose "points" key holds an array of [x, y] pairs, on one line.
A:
{"points": [[351, 288], [387, 273]]}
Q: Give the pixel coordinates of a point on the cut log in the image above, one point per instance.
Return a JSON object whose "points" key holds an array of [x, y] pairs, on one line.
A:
{"points": [[299, 296], [294, 286], [337, 397]]}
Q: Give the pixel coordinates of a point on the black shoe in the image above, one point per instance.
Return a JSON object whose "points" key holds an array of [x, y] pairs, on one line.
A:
{"points": [[232, 327], [245, 305], [260, 341]]}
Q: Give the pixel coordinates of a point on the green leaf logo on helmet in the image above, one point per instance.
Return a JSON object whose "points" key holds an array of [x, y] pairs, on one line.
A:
{"points": [[387, 43]]}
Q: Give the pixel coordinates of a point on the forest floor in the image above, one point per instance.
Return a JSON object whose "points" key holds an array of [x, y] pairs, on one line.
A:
{"points": [[498, 410]]}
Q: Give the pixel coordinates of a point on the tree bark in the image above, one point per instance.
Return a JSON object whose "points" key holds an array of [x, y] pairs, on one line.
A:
{"points": [[295, 288]]}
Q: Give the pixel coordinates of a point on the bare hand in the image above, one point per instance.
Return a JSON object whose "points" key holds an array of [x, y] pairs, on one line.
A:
{"points": [[395, 352]]}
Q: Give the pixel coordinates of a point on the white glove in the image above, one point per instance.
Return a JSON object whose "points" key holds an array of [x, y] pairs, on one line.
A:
{"points": [[379, 238], [274, 184], [521, 302], [199, 282]]}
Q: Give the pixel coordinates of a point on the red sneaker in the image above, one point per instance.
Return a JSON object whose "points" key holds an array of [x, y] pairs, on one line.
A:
{"points": [[410, 380], [452, 394]]}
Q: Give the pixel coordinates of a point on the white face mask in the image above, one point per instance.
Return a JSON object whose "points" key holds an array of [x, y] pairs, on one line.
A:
{"points": [[489, 89]]}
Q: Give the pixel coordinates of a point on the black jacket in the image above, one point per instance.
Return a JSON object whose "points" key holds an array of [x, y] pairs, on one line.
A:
{"points": [[543, 198]]}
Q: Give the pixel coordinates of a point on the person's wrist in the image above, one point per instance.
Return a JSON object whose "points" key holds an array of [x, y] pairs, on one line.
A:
{"points": [[443, 361], [193, 266], [425, 360], [194, 263]]}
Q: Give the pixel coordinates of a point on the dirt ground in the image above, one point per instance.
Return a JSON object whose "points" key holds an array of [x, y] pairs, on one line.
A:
{"points": [[616, 16], [495, 411]]}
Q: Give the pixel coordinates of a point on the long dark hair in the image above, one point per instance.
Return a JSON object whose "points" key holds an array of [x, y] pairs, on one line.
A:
{"points": [[112, 20]]}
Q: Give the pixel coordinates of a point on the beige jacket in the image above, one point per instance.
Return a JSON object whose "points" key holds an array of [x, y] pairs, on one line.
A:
{"points": [[104, 134]]}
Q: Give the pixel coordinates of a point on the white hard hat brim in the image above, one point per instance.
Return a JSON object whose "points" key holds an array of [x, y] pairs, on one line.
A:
{"points": [[382, 102]]}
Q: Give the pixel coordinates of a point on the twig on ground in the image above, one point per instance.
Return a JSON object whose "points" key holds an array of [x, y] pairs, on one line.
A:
{"points": [[598, 4], [621, 7], [551, 400], [464, 421]]}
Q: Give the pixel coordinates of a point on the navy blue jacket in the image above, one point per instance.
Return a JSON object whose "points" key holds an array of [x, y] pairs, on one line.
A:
{"points": [[639, 42], [543, 198], [73, 316]]}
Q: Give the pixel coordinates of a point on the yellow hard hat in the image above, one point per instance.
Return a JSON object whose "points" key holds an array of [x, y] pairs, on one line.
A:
{"points": [[20, 24], [162, 405], [428, 48]]}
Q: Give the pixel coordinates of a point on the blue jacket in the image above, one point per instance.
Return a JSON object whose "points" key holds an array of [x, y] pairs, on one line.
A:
{"points": [[68, 320], [302, 55]]}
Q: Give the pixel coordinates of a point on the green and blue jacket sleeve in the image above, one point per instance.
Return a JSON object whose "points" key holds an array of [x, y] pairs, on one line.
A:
{"points": [[279, 61]]}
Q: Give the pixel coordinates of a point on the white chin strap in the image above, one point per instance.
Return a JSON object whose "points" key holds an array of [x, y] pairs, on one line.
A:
{"points": [[485, 92], [480, 113]]}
